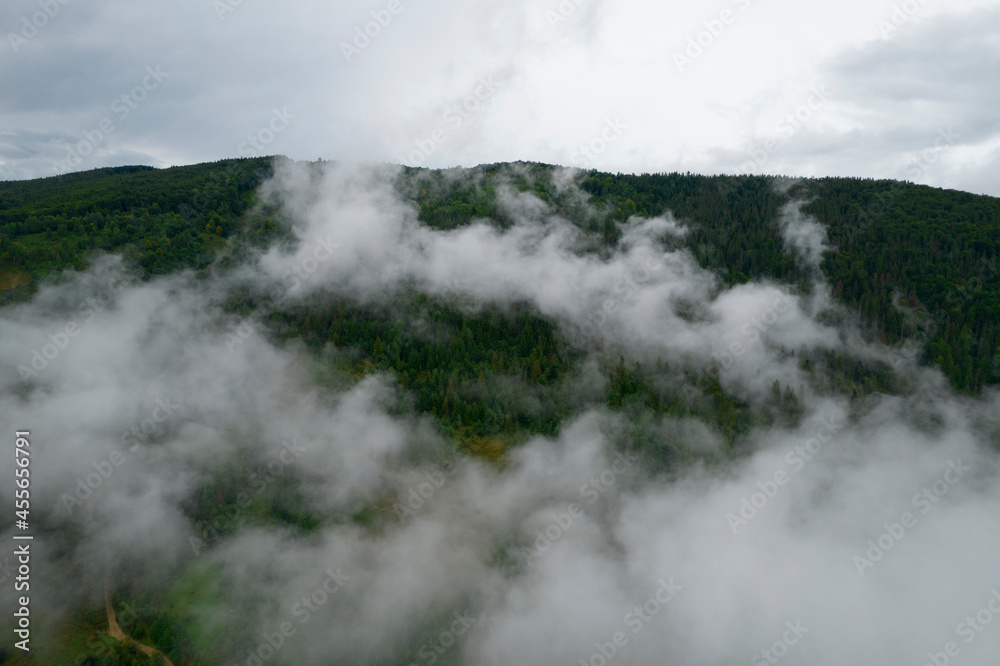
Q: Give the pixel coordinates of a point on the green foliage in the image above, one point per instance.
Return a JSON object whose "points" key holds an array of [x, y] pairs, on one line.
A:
{"points": [[479, 372], [919, 262], [913, 262], [909, 263], [906, 258], [163, 220], [120, 654]]}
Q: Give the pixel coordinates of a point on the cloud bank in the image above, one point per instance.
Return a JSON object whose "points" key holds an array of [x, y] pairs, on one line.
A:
{"points": [[867, 533]]}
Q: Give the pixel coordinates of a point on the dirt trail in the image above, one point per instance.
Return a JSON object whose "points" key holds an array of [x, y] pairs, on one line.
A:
{"points": [[115, 630]]}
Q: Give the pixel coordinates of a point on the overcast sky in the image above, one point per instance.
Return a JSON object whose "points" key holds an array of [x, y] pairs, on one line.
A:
{"points": [[855, 87]]}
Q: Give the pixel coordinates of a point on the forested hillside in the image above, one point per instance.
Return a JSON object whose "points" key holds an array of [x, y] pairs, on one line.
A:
{"points": [[910, 267], [162, 219], [912, 262]]}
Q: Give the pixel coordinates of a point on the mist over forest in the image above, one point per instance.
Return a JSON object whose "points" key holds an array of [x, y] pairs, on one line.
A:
{"points": [[329, 413]]}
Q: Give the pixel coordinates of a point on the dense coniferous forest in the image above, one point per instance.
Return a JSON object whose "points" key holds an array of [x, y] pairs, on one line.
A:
{"points": [[913, 262], [910, 264], [161, 219]]}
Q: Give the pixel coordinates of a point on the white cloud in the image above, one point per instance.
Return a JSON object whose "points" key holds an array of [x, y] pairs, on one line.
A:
{"points": [[558, 85]]}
